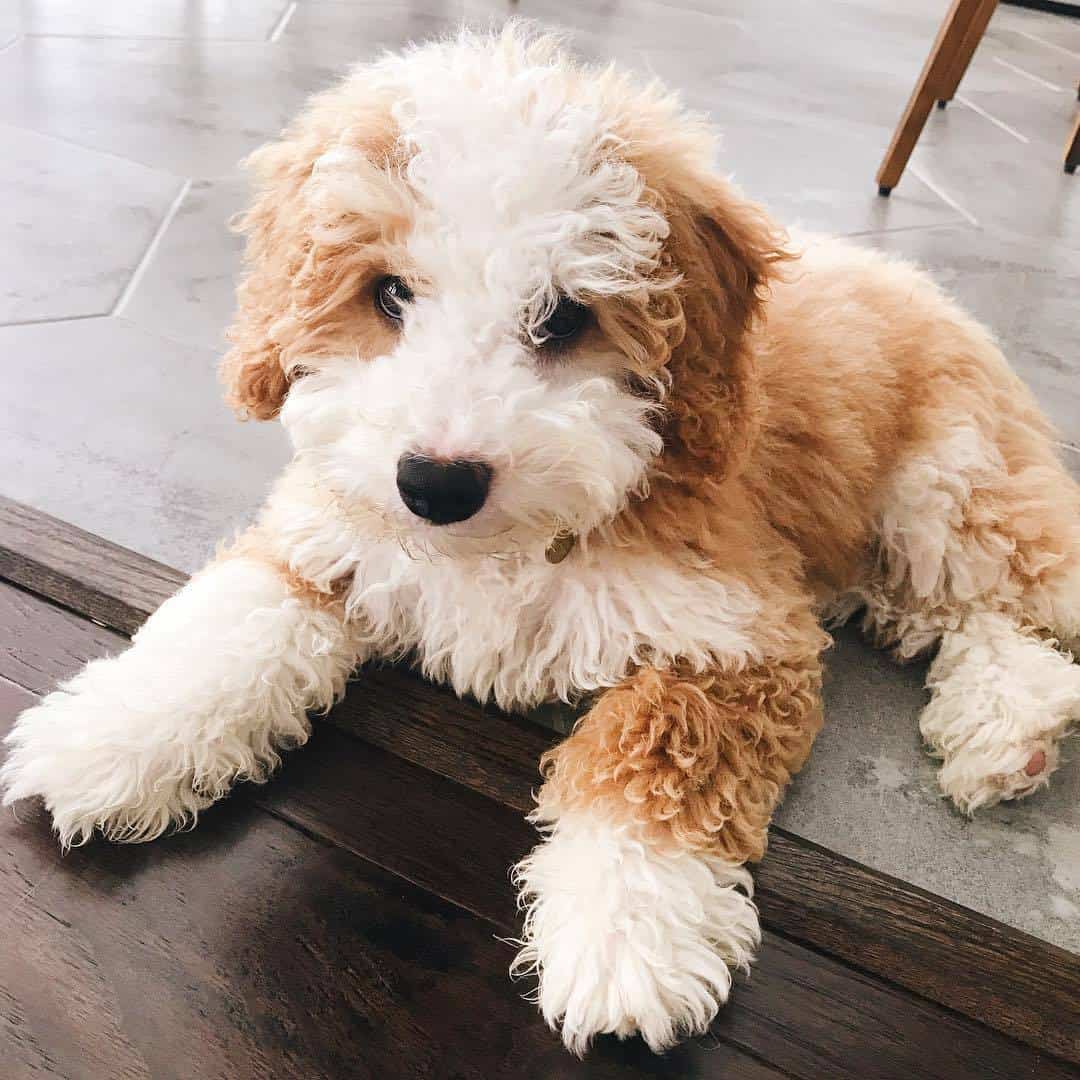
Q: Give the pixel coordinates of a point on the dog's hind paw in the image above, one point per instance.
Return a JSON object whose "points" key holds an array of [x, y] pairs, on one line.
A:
{"points": [[979, 776], [1002, 699]]}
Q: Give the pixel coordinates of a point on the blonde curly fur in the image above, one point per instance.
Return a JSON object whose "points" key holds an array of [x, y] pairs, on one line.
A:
{"points": [[749, 430]]}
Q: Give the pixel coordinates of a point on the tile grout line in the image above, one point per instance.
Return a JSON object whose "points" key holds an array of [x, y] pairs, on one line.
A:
{"points": [[934, 227], [1048, 44], [283, 21], [41, 35], [226, 177], [214, 349], [943, 196], [86, 148], [980, 111], [1037, 79], [151, 249], [55, 319]]}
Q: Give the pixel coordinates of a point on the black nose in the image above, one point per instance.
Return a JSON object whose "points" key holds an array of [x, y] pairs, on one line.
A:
{"points": [[442, 491]]}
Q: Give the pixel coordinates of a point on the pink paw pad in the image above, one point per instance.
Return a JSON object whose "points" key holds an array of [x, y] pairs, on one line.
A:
{"points": [[1036, 764]]}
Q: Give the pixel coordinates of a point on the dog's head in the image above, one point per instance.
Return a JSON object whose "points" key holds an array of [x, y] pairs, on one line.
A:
{"points": [[491, 293]]}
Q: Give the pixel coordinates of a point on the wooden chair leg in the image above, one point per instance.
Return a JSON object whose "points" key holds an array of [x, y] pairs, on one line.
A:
{"points": [[1072, 148], [966, 51], [938, 64]]}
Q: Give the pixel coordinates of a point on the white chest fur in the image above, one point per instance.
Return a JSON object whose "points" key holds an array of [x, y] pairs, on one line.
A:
{"points": [[523, 632]]}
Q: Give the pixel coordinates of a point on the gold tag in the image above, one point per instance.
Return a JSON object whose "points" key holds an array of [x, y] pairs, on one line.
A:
{"points": [[560, 547]]}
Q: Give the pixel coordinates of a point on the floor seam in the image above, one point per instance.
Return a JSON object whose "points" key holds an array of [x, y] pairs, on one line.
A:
{"points": [[1037, 79], [1047, 44], [151, 249], [936, 227], [850, 964], [93, 149], [56, 319], [44, 35], [917, 171], [283, 21], [980, 111]]}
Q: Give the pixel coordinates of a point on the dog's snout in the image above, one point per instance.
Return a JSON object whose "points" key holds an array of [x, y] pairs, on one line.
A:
{"points": [[442, 492]]}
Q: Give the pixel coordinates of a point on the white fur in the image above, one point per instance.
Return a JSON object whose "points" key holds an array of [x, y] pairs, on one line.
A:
{"points": [[998, 697], [525, 633], [567, 447], [494, 240], [626, 938], [921, 525], [217, 680], [924, 547], [514, 198], [517, 629]]}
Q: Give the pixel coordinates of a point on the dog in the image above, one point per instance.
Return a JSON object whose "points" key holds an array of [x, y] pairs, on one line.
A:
{"points": [[575, 420]]}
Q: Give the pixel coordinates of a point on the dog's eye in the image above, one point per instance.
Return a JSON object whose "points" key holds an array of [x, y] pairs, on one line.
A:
{"points": [[391, 296], [565, 322]]}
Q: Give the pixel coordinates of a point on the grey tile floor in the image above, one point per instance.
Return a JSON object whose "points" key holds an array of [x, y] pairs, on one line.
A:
{"points": [[123, 124]]}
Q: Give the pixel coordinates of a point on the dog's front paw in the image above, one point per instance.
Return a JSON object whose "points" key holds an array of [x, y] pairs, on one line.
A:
{"points": [[93, 774], [105, 755], [627, 938]]}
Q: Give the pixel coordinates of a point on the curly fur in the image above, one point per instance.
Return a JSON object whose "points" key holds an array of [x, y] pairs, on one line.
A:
{"points": [[749, 430], [695, 761]]}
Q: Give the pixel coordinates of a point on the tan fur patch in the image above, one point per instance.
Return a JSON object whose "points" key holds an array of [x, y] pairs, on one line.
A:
{"points": [[791, 385], [698, 760], [251, 545], [311, 263]]}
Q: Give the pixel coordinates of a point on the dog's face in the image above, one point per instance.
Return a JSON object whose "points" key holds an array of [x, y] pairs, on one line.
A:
{"points": [[464, 294]]}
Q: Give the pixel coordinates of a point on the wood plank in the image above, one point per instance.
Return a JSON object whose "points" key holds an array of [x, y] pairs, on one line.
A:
{"points": [[252, 948], [806, 1013], [1009, 980], [101, 580], [40, 644], [316, 965], [960, 958], [482, 748], [976, 965]]}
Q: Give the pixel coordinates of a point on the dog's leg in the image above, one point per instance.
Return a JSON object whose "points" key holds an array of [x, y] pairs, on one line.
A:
{"points": [[217, 680], [1001, 701], [637, 901], [980, 539]]}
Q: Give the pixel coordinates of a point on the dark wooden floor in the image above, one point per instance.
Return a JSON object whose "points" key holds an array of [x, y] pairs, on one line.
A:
{"points": [[351, 917]]}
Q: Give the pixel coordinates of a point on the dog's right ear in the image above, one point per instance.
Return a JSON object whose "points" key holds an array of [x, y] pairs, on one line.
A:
{"points": [[326, 193], [253, 369]]}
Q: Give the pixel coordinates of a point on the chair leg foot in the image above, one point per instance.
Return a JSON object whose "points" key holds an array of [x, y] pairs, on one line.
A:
{"points": [[941, 103], [883, 190], [1070, 169]]}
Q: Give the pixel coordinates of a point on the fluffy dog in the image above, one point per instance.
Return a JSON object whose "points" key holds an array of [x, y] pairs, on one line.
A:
{"points": [[574, 420]]}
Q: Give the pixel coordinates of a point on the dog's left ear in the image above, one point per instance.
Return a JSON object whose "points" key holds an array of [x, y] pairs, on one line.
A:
{"points": [[728, 251]]}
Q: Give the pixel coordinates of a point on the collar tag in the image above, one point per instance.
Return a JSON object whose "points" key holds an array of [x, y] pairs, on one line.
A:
{"points": [[560, 547]]}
